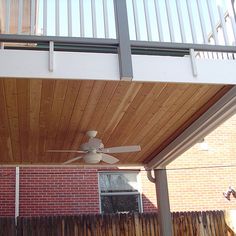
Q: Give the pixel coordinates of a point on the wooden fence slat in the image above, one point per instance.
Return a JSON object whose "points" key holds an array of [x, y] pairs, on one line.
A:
{"points": [[210, 223]]}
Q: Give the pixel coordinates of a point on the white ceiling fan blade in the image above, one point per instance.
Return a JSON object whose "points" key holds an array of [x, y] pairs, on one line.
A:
{"points": [[109, 159], [72, 160], [121, 149], [67, 151]]}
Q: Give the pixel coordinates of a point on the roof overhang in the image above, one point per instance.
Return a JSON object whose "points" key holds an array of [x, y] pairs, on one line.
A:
{"points": [[166, 108], [223, 109]]}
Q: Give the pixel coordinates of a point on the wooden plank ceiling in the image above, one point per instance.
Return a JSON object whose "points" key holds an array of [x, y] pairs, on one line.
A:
{"points": [[37, 115]]}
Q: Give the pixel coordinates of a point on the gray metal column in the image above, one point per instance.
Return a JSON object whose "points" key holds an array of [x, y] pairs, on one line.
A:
{"points": [[163, 204], [122, 31]]}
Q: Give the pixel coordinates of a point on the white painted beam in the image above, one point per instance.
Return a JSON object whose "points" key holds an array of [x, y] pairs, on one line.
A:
{"points": [[66, 65], [213, 117], [105, 66], [179, 70]]}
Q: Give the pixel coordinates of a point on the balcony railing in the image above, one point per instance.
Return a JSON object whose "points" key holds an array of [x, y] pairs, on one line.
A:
{"points": [[176, 21], [169, 27]]}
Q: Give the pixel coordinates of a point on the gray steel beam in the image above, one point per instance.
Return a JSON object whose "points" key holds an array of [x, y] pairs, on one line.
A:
{"points": [[163, 204], [56, 39], [124, 50], [179, 47], [62, 43], [138, 47]]}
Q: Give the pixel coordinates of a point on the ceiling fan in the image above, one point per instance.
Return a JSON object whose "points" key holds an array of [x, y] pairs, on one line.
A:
{"points": [[93, 151]]}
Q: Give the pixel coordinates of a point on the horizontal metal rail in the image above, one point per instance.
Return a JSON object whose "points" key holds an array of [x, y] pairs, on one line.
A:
{"points": [[137, 47], [60, 43], [142, 46], [43, 39]]}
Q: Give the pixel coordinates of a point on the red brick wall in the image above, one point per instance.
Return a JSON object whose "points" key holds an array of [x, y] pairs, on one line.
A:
{"points": [[7, 191], [148, 193], [57, 191], [202, 188]]}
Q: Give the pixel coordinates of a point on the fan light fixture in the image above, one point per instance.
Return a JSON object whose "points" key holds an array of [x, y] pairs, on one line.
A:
{"points": [[93, 151], [92, 157]]}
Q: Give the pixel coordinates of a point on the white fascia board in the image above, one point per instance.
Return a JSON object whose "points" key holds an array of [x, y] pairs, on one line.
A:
{"points": [[67, 65], [213, 117], [105, 66], [179, 70]]}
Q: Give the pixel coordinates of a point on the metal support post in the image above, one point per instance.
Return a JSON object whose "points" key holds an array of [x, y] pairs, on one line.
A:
{"points": [[164, 215], [163, 202], [124, 49]]}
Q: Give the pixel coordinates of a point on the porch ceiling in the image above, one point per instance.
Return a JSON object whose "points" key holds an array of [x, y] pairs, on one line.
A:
{"points": [[37, 115]]}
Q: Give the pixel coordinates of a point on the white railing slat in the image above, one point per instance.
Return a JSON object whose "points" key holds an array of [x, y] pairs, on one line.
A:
{"points": [[69, 15], [105, 17], [231, 19], [159, 20], [57, 17], [147, 20], [181, 22], [170, 21], [202, 21], [94, 23], [81, 11], [136, 20], [223, 25], [233, 27], [32, 17], [190, 14], [45, 17], [213, 24], [8, 14], [20, 15]]}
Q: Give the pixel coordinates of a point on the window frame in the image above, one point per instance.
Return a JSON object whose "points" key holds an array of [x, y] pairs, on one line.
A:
{"points": [[138, 192]]}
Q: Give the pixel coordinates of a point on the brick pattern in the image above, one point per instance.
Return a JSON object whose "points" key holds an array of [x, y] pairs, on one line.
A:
{"points": [[148, 193], [7, 191], [58, 191], [202, 189]]}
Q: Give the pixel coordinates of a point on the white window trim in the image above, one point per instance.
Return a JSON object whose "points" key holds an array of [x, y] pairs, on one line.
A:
{"points": [[138, 192]]}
